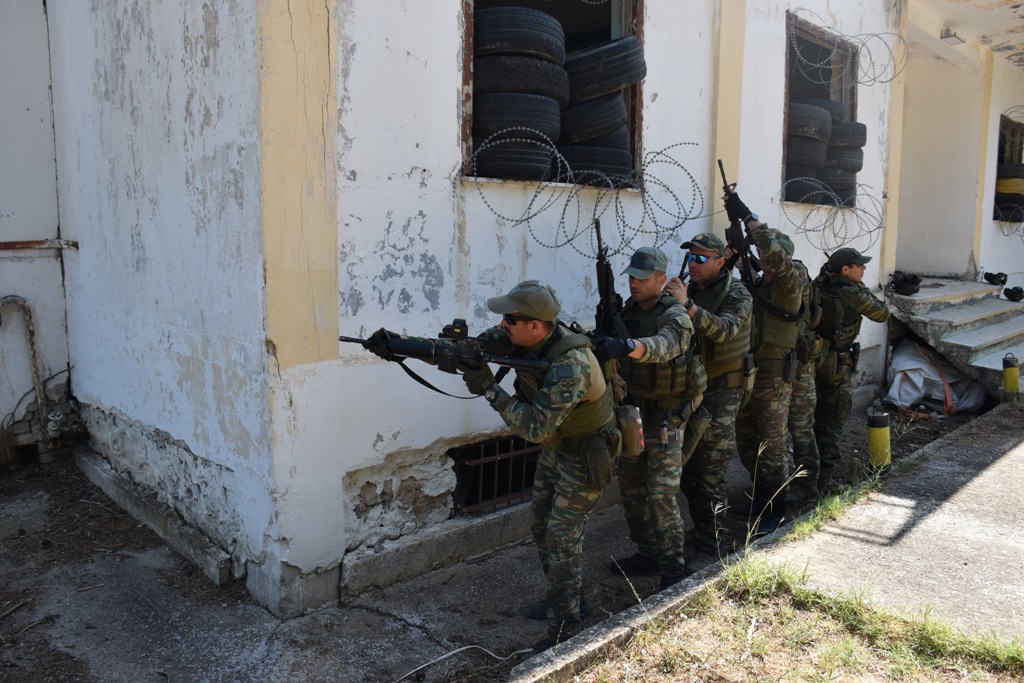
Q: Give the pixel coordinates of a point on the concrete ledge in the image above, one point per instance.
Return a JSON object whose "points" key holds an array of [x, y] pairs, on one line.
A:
{"points": [[143, 506], [455, 541]]}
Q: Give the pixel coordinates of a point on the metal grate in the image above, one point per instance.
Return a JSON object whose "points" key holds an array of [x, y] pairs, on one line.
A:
{"points": [[494, 474]]}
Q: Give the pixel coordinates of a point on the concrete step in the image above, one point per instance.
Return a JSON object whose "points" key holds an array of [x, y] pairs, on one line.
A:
{"points": [[988, 368], [968, 316], [938, 293], [964, 347]]}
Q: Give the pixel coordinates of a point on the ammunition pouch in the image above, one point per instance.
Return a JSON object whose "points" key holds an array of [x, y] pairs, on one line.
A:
{"points": [[791, 367], [854, 357], [809, 348]]}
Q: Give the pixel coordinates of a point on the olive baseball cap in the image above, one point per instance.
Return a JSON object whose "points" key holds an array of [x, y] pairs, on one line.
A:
{"points": [[783, 239], [531, 297], [847, 256], [645, 262], [706, 240]]}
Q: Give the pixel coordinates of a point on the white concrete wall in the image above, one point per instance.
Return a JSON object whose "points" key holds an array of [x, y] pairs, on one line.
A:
{"points": [[28, 208], [1001, 252], [941, 155], [157, 154]]}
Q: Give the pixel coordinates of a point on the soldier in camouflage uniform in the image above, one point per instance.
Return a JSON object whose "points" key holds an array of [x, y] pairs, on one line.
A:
{"points": [[763, 423], [569, 411], [844, 301], [720, 308], [666, 382], [809, 351]]}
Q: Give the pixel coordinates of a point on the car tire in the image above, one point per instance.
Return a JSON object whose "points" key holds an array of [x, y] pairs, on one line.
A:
{"points": [[805, 151], [531, 116], [605, 68], [854, 134], [589, 165], [520, 74], [844, 158], [518, 31], [808, 121], [592, 118], [512, 159]]}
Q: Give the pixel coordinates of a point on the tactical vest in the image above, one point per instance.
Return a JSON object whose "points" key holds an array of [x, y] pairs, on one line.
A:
{"points": [[840, 319], [683, 376], [726, 356], [595, 410], [776, 317]]}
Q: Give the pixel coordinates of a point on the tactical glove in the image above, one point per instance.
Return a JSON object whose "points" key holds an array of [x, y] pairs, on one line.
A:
{"points": [[607, 348], [480, 380], [735, 208], [378, 343]]}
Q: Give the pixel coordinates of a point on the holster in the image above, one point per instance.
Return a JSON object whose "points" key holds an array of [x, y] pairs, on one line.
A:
{"points": [[854, 357], [599, 452], [790, 368], [694, 430], [631, 429], [749, 373]]}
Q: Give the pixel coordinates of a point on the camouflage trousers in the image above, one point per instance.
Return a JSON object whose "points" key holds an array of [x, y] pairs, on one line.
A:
{"points": [[649, 484], [801, 421], [762, 427], [562, 502], [835, 399], [703, 479]]}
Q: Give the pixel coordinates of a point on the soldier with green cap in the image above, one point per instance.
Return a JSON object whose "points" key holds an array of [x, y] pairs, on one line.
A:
{"points": [[844, 299], [720, 308], [567, 409], [666, 382]]}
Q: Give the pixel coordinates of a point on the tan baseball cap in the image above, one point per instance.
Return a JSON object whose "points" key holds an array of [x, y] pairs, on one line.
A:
{"points": [[530, 297]]}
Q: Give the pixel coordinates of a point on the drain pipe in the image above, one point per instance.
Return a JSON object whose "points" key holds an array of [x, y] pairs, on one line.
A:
{"points": [[37, 375]]}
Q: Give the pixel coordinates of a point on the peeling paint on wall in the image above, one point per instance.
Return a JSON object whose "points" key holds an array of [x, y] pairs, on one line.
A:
{"points": [[408, 492]]}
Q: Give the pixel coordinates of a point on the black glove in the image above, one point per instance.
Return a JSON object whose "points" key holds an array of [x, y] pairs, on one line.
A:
{"points": [[735, 208], [606, 348], [480, 380], [378, 343]]}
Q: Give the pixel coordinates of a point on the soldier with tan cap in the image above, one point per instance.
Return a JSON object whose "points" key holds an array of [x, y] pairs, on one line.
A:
{"points": [[568, 409]]}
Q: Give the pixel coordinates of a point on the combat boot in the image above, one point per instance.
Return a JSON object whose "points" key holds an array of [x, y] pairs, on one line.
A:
{"points": [[824, 478], [635, 565], [801, 490]]}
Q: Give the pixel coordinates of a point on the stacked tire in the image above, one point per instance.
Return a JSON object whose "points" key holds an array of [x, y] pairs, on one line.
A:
{"points": [[808, 128], [520, 87], [594, 142], [1009, 201], [822, 145]]}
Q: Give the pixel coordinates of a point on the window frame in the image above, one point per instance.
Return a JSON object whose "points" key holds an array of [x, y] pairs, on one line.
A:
{"points": [[845, 83], [626, 19]]}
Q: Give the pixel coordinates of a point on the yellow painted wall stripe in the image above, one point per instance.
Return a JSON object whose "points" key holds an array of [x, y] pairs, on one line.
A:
{"points": [[298, 160]]}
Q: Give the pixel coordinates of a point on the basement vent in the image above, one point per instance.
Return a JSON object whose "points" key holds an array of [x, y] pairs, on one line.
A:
{"points": [[493, 475]]}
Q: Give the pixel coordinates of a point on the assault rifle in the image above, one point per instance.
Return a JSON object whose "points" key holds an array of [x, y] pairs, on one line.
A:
{"points": [[737, 240], [609, 307], [453, 359]]}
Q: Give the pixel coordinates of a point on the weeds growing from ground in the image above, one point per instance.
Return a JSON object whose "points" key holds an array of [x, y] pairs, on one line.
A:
{"points": [[759, 621]]}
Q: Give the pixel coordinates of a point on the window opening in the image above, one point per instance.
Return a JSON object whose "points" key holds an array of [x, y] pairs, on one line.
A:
{"points": [[553, 76], [493, 475], [1008, 205], [823, 141]]}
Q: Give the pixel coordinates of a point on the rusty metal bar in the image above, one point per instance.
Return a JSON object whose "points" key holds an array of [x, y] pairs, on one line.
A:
{"points": [[493, 474], [38, 244]]}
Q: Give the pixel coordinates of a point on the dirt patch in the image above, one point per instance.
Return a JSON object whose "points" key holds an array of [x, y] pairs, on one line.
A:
{"points": [[54, 518]]}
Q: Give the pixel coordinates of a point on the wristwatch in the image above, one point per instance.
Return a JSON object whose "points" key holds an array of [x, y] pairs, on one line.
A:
{"points": [[751, 217], [490, 393], [630, 346], [689, 304]]}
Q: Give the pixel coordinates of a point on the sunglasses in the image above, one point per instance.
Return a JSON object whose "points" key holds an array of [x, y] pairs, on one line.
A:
{"points": [[512, 319], [699, 258]]}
